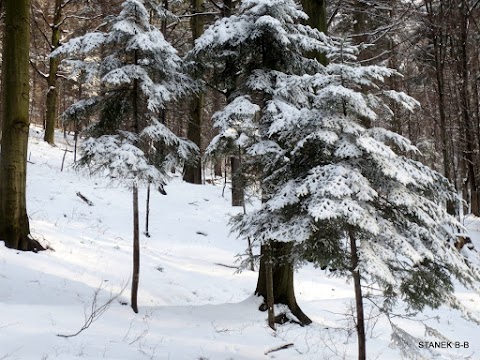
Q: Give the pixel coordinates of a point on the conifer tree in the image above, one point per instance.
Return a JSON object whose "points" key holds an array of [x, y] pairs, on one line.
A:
{"points": [[264, 39], [347, 195], [335, 190], [138, 73]]}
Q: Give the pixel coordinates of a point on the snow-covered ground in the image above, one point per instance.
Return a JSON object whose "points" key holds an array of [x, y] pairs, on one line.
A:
{"points": [[192, 304]]}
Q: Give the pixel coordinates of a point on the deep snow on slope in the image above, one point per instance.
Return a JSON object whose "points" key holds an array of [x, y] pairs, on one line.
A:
{"points": [[192, 303]]}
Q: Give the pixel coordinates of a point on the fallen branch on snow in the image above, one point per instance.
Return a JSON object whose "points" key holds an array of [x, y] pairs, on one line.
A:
{"points": [[81, 196], [96, 309], [283, 347]]}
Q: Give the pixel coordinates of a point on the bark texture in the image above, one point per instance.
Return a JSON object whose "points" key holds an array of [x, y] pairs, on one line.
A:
{"points": [[317, 19], [52, 93], [237, 183], [193, 172], [269, 287], [14, 225], [282, 271], [136, 251], [362, 352]]}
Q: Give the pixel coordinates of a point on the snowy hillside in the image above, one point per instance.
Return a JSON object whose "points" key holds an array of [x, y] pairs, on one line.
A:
{"points": [[192, 303]]}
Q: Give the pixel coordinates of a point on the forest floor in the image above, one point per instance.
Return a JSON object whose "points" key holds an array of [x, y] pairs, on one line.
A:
{"points": [[193, 304]]}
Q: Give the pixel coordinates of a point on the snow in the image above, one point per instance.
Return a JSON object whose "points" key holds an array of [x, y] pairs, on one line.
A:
{"points": [[191, 305]]}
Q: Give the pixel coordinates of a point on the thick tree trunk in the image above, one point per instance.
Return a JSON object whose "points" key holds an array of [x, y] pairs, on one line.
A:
{"points": [[282, 271], [317, 19], [362, 353], [217, 169], [193, 173], [14, 225], [136, 251], [360, 27], [52, 93]]}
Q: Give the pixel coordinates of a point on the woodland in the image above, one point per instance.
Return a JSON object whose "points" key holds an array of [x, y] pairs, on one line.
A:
{"points": [[348, 131]]}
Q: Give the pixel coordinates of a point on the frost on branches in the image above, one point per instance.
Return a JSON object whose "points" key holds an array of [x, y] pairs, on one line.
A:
{"points": [[135, 73], [326, 174]]}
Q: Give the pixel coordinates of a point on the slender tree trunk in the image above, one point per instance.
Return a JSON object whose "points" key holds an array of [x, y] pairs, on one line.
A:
{"points": [[136, 226], [193, 173], [147, 211], [136, 250], [14, 225], [465, 105], [362, 353], [439, 42], [269, 287], [282, 271], [52, 92], [235, 163]]}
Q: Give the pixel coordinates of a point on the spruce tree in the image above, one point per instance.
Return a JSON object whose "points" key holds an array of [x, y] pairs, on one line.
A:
{"points": [[336, 190], [349, 197], [261, 43], [138, 74]]}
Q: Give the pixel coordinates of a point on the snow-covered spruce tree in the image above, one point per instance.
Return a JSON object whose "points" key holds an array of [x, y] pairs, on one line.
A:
{"points": [[263, 41], [137, 73], [348, 197]]}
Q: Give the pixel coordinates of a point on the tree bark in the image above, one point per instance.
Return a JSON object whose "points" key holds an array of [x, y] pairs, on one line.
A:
{"points": [[282, 271], [147, 211], [269, 287], [193, 173], [52, 93], [362, 353], [465, 105], [136, 251], [317, 19], [440, 42], [237, 183], [14, 225]]}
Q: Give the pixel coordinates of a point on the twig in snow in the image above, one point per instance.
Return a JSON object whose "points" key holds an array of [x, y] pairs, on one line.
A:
{"points": [[63, 159], [81, 196], [96, 310], [283, 347], [227, 266]]}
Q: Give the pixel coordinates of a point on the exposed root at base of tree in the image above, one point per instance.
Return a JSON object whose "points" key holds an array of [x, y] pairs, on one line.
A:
{"points": [[27, 243], [34, 245], [283, 318]]}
